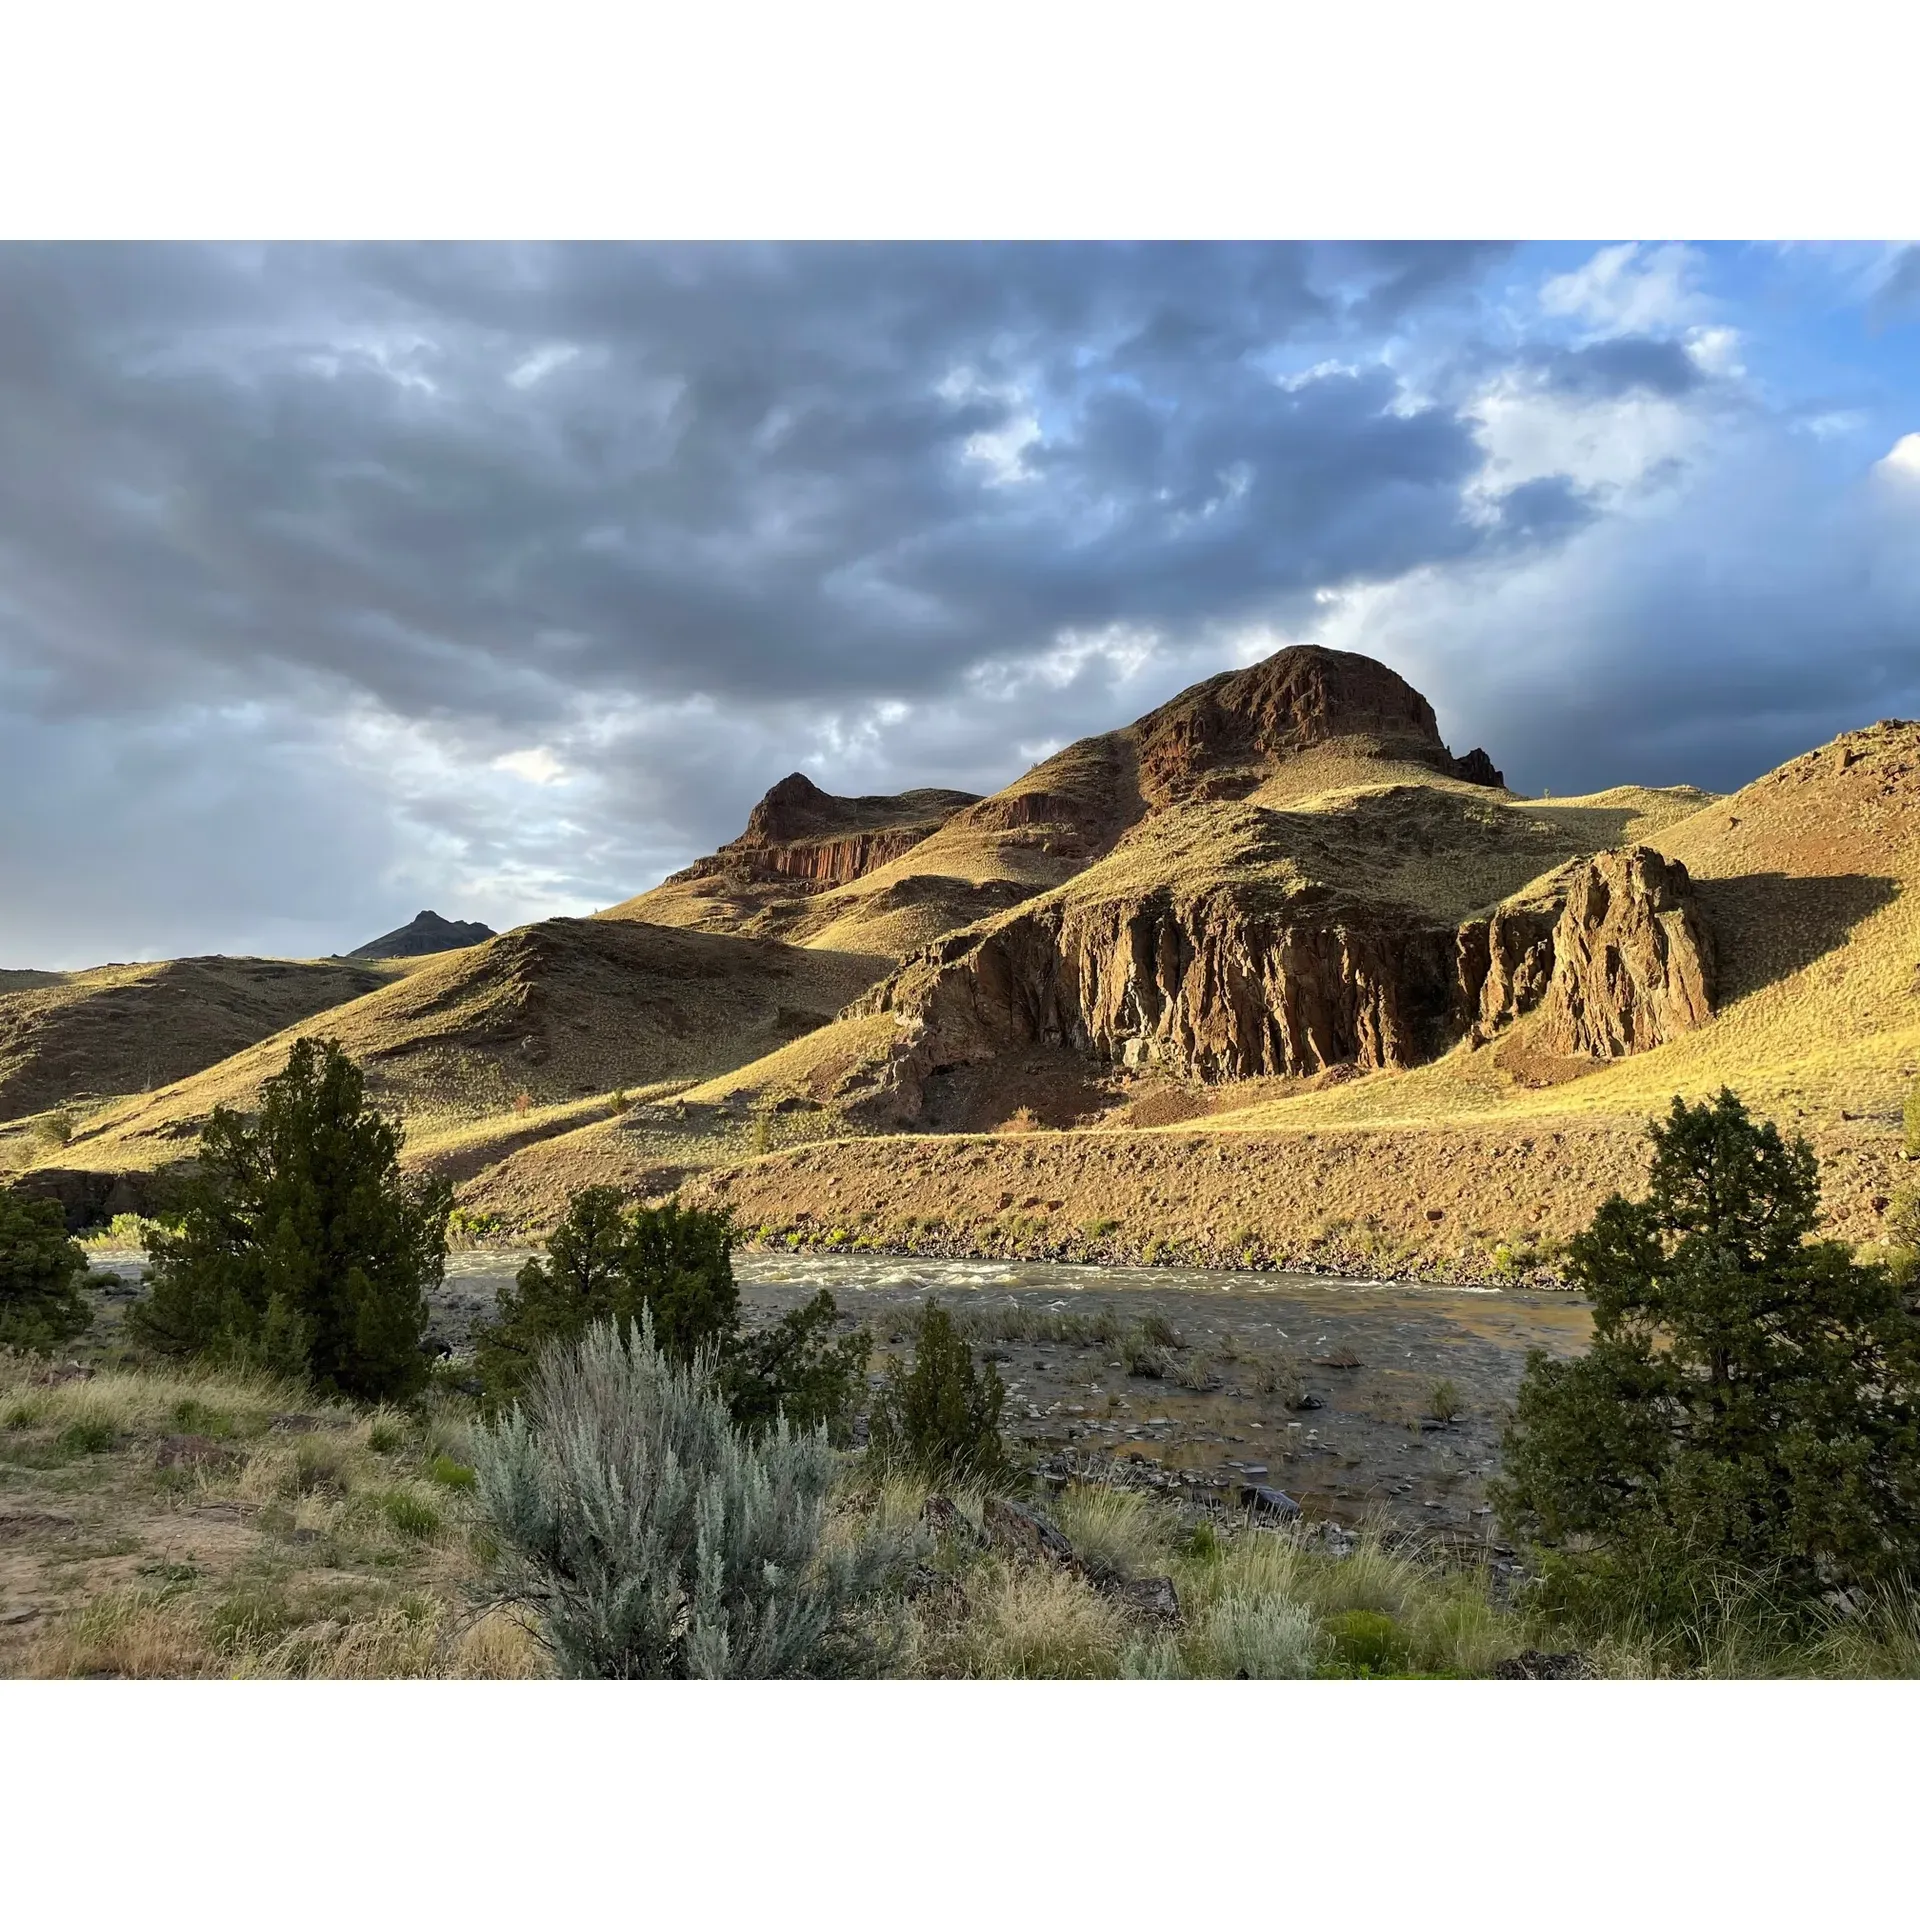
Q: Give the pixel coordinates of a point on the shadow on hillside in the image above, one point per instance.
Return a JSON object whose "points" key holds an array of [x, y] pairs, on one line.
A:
{"points": [[1768, 925]]}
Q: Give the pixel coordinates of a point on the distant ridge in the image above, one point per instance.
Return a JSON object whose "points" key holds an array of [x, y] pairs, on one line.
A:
{"points": [[426, 932]]}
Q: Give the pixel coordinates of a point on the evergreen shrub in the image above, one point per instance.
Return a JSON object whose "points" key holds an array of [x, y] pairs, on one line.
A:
{"points": [[298, 1245], [41, 1273], [1749, 1409]]}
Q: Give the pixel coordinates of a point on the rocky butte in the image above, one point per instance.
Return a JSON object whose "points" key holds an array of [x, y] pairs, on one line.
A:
{"points": [[1305, 877]]}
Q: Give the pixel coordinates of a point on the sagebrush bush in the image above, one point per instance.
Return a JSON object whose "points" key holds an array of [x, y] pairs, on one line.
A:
{"points": [[650, 1538], [1257, 1636], [298, 1246], [41, 1270]]}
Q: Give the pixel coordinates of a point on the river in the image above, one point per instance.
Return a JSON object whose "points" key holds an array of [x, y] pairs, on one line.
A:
{"points": [[1354, 1398], [1256, 1353]]}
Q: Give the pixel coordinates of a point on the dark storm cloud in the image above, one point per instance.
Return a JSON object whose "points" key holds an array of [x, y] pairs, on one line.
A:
{"points": [[1626, 364], [481, 480], [337, 581]]}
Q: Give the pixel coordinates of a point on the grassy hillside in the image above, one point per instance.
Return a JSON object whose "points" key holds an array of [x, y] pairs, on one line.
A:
{"points": [[126, 1029], [538, 1017], [749, 1058]]}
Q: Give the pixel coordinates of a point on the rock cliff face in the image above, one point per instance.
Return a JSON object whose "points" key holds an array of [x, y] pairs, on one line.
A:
{"points": [[1611, 949], [797, 832], [1506, 960]]}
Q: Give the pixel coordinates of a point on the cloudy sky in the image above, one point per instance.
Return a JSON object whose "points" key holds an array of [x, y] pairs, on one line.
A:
{"points": [[337, 582]]}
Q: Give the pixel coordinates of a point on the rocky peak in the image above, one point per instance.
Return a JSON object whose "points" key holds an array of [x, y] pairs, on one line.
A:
{"points": [[1220, 738], [798, 831], [791, 809], [426, 932]]}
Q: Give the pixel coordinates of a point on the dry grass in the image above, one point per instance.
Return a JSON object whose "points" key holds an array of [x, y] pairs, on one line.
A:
{"points": [[118, 1030], [188, 1521], [123, 1636], [555, 1011], [1257, 1603], [1030, 1622], [1117, 1532]]}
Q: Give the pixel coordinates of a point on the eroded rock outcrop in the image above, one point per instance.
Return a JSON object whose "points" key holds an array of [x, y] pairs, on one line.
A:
{"points": [[1633, 962], [799, 832], [1216, 740], [1610, 950], [1506, 960]]}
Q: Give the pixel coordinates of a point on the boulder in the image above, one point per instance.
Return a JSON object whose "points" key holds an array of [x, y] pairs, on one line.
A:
{"points": [[90, 1200], [1019, 1529], [1534, 1664], [945, 1521], [1151, 1599], [1268, 1504]]}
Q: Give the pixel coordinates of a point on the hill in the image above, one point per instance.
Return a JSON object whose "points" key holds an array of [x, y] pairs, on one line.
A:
{"points": [[887, 876], [124, 1029], [535, 1018], [425, 933], [799, 844], [1270, 975], [1281, 872], [1804, 887]]}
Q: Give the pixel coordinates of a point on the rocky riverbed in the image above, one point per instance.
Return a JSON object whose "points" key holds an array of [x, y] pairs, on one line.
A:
{"points": [[1350, 1398]]}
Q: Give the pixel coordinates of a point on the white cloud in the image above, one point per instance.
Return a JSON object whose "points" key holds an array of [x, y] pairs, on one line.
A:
{"points": [[1902, 462], [1628, 289], [1114, 655], [1613, 444], [538, 766], [1716, 351], [538, 364], [1000, 450]]}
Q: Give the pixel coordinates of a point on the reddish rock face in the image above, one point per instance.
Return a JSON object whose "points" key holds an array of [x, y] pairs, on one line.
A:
{"points": [[1633, 962], [1219, 738], [798, 832], [1611, 948], [1205, 988]]}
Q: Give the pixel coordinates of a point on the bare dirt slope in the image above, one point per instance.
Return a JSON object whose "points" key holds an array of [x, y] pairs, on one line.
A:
{"points": [[119, 1030]]}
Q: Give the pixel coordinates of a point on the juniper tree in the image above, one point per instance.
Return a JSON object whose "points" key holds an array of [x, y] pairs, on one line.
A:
{"points": [[610, 1259], [297, 1244], [41, 1304], [941, 1416], [1750, 1399]]}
